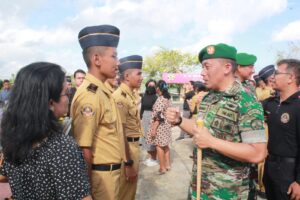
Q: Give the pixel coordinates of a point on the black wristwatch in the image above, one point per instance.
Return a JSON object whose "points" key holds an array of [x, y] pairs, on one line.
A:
{"points": [[179, 122], [129, 163]]}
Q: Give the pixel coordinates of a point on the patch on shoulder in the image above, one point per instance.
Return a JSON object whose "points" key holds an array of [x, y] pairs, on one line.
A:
{"points": [[120, 104], [87, 111], [285, 118], [92, 88], [123, 94]]}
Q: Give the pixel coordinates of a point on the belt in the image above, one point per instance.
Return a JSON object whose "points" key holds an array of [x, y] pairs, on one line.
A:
{"points": [[133, 139], [108, 167], [281, 159]]}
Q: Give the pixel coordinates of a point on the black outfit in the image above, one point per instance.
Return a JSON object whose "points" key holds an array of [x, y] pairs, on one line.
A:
{"points": [[147, 103], [282, 166], [54, 170], [70, 93], [187, 96]]}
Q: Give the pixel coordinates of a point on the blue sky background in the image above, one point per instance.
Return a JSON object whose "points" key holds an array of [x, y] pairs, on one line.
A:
{"points": [[46, 30]]}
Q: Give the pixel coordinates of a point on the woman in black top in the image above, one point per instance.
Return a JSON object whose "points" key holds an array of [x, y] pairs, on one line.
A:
{"points": [[147, 103], [40, 162]]}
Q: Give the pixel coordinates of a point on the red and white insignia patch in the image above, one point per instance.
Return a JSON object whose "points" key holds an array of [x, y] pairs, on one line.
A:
{"points": [[285, 118], [120, 105], [87, 111]]}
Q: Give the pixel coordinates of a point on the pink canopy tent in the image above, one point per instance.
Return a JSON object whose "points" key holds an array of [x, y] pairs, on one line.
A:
{"points": [[181, 78]]}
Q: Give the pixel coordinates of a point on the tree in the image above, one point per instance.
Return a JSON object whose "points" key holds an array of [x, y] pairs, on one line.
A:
{"points": [[293, 51], [171, 61]]}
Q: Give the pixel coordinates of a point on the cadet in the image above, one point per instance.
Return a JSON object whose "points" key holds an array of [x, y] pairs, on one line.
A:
{"points": [[131, 79], [112, 84], [96, 126], [245, 69], [282, 168], [233, 135]]}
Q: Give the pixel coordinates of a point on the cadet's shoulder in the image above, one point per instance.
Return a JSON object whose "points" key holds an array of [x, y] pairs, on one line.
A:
{"points": [[119, 94]]}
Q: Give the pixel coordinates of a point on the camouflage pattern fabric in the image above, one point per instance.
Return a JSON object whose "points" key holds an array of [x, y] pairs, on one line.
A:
{"points": [[235, 116]]}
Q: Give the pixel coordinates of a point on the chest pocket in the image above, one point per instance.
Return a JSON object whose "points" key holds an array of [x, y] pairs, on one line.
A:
{"points": [[225, 121], [109, 116]]}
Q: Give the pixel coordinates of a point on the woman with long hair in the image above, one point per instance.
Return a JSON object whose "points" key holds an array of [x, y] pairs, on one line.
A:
{"points": [[40, 162], [160, 130]]}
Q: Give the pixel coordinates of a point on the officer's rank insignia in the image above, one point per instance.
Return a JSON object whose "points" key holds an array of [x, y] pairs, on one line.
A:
{"points": [[87, 111], [123, 94], [285, 118], [92, 88], [120, 105], [210, 50]]}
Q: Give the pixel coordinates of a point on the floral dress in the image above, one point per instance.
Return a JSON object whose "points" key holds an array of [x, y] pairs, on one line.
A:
{"points": [[163, 133]]}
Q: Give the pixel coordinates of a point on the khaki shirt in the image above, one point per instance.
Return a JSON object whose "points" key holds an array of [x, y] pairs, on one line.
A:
{"points": [[109, 87], [127, 105], [96, 122]]}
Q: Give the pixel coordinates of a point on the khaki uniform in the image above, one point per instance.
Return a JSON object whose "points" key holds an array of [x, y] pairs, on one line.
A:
{"points": [[263, 94], [127, 104], [96, 124], [109, 87]]}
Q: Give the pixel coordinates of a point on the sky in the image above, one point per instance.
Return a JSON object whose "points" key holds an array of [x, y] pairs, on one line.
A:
{"points": [[47, 30]]}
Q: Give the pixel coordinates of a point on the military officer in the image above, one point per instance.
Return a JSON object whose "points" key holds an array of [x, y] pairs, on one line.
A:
{"points": [[282, 166], [233, 135], [131, 78], [96, 122], [245, 69]]}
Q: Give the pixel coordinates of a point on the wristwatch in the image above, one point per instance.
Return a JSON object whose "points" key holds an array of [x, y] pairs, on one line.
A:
{"points": [[178, 122], [129, 163]]}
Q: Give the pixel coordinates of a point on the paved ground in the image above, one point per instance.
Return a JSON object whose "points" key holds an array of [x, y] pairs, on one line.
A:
{"points": [[173, 184]]}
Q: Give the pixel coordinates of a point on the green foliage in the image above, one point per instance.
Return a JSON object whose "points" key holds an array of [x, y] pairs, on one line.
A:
{"points": [[171, 61]]}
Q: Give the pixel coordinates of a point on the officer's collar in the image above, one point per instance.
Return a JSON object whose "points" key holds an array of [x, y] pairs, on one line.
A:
{"points": [[97, 82], [291, 98], [126, 89], [231, 91]]}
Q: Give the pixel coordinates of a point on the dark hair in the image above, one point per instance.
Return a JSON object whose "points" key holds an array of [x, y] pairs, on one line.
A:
{"points": [[292, 65], [149, 81], [28, 119], [6, 81], [88, 52], [68, 79], [79, 71], [163, 87], [199, 86]]}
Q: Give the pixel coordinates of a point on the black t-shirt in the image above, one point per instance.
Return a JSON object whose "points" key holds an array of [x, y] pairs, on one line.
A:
{"points": [[283, 121], [147, 102], [189, 95]]}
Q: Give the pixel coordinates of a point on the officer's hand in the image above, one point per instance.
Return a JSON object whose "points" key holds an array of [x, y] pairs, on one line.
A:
{"points": [[130, 174], [294, 191], [202, 138], [172, 115]]}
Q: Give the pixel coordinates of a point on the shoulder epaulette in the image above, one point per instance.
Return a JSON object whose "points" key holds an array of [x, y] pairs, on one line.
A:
{"points": [[123, 94], [92, 88]]}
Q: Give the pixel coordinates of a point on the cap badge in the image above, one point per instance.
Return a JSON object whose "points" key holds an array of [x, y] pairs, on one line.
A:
{"points": [[210, 50], [285, 118]]}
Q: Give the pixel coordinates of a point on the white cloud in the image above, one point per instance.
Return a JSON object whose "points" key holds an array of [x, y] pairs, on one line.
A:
{"points": [[144, 24], [290, 32]]}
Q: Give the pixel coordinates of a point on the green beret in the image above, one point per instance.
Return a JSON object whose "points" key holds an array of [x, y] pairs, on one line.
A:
{"points": [[245, 59], [217, 51]]}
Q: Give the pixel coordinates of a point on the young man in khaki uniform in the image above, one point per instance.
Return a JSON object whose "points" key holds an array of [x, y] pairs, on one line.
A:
{"points": [[131, 79], [96, 122]]}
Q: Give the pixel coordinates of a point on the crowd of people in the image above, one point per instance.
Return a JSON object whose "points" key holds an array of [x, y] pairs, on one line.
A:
{"points": [[84, 142]]}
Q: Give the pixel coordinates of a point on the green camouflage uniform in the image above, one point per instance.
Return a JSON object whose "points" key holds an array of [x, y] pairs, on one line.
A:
{"points": [[233, 116]]}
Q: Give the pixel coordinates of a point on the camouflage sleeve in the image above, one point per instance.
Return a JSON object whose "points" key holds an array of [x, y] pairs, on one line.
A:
{"points": [[251, 121]]}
